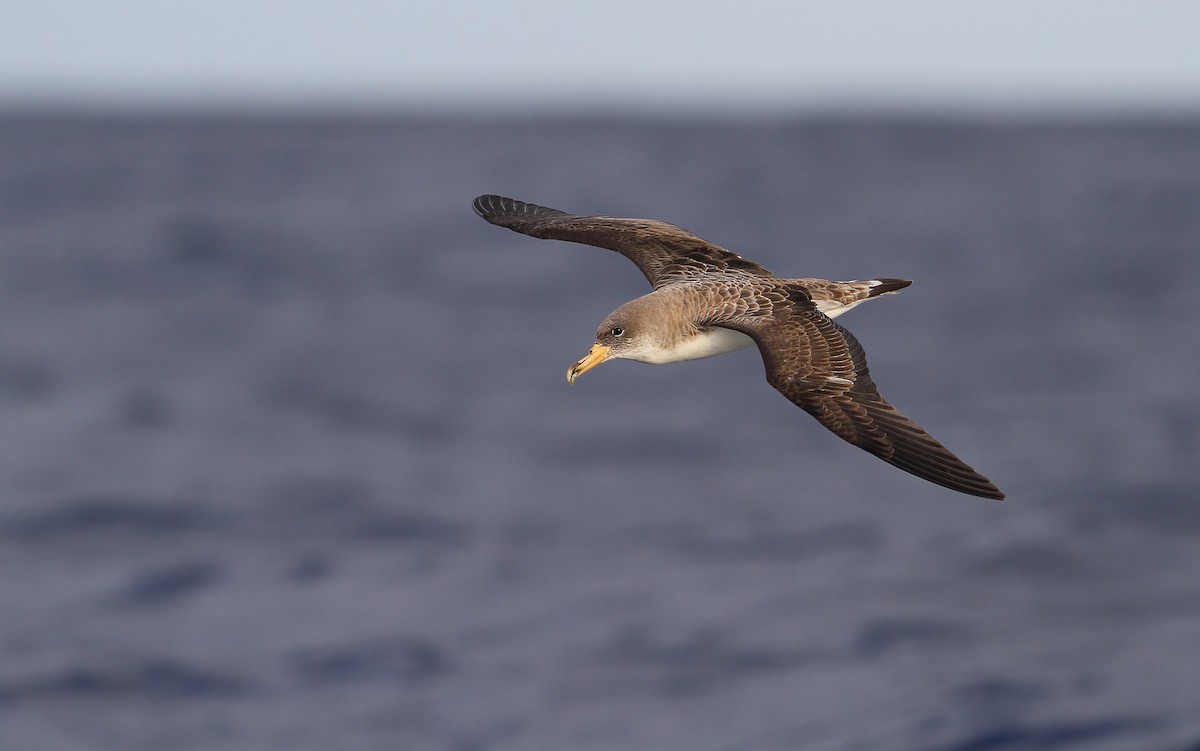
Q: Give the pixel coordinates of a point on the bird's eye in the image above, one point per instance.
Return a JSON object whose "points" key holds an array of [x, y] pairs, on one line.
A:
{"points": [[617, 331]]}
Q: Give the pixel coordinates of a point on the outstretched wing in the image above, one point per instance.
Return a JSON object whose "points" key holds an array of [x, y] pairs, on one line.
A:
{"points": [[820, 367], [664, 252]]}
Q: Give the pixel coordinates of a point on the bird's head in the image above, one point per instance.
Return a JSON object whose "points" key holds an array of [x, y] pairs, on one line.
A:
{"points": [[624, 335]]}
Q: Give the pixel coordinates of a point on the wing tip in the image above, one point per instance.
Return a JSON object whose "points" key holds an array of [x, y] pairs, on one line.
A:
{"points": [[957, 476], [953, 475], [988, 491], [944, 468], [496, 208], [996, 494], [488, 204]]}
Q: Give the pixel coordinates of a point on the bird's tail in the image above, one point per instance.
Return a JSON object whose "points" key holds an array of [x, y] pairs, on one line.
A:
{"points": [[877, 287], [835, 298]]}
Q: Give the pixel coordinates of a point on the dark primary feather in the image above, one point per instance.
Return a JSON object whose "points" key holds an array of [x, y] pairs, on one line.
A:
{"points": [[820, 367], [663, 252]]}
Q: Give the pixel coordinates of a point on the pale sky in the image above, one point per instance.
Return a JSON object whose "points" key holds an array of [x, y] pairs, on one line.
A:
{"points": [[757, 54]]}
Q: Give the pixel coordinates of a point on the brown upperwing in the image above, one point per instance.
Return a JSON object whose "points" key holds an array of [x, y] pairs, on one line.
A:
{"points": [[664, 252]]}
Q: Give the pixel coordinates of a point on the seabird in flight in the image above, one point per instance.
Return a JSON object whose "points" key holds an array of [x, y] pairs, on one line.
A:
{"points": [[708, 301]]}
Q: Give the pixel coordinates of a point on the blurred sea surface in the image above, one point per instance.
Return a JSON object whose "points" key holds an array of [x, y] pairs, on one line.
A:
{"points": [[289, 459]]}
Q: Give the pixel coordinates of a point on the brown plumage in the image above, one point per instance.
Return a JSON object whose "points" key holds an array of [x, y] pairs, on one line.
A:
{"points": [[701, 289]]}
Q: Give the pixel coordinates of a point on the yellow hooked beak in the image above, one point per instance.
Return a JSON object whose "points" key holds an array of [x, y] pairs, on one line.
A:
{"points": [[598, 355]]}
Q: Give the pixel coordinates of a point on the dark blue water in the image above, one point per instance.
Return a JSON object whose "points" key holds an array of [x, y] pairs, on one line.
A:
{"points": [[289, 460]]}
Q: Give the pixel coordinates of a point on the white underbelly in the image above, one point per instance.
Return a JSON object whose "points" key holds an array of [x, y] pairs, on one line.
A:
{"points": [[709, 342]]}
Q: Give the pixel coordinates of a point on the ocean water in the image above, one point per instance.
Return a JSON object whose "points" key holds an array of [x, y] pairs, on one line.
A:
{"points": [[289, 460]]}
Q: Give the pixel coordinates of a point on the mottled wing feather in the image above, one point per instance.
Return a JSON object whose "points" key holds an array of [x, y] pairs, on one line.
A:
{"points": [[664, 252], [821, 367]]}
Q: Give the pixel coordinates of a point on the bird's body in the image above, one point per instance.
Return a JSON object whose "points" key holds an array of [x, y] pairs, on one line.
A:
{"points": [[695, 341], [709, 301]]}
